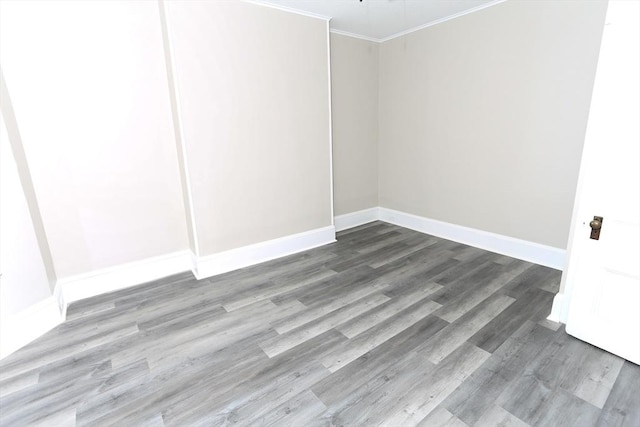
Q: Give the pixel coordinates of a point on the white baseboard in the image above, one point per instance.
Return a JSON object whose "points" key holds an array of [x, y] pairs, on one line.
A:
{"points": [[559, 309], [354, 219], [245, 256], [505, 245], [47, 314], [21, 328], [74, 288], [24, 327]]}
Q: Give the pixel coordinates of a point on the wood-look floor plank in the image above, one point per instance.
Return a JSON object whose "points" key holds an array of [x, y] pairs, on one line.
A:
{"points": [[430, 391], [45, 401], [277, 345], [345, 287], [358, 324], [353, 338], [476, 395], [278, 380], [498, 416], [72, 345], [326, 290], [148, 291], [362, 237], [375, 336], [212, 338], [15, 383], [159, 345], [382, 254], [466, 269], [437, 264], [411, 245], [316, 310], [450, 338], [441, 417], [63, 418], [532, 306], [592, 377], [371, 370], [168, 388], [623, 404], [482, 289], [294, 413], [561, 405], [273, 289], [467, 282], [113, 395], [387, 238], [544, 278], [366, 404], [537, 390]]}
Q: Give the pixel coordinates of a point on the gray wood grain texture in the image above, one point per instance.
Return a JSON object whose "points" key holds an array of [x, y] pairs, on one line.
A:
{"points": [[386, 326], [441, 417]]}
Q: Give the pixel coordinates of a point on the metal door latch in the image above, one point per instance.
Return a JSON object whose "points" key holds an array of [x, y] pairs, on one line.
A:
{"points": [[596, 225]]}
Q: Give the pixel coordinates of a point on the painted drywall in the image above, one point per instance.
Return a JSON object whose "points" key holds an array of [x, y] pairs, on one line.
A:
{"points": [[13, 141], [354, 113], [24, 278], [177, 131], [482, 118], [89, 89], [253, 87]]}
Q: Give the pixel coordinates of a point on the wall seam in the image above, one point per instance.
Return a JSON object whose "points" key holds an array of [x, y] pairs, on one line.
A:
{"points": [[176, 113]]}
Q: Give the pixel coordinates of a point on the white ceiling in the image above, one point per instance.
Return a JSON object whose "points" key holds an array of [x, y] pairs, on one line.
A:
{"points": [[380, 20]]}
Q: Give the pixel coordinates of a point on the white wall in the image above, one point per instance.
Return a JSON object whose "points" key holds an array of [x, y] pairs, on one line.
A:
{"points": [[24, 280], [480, 123], [482, 118], [90, 94], [136, 150], [143, 139], [253, 92], [27, 309], [354, 112]]}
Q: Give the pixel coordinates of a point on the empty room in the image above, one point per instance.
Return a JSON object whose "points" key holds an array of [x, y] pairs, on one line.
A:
{"points": [[320, 213]]}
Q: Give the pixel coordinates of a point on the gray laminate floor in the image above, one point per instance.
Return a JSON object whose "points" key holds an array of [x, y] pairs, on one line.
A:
{"points": [[385, 327]]}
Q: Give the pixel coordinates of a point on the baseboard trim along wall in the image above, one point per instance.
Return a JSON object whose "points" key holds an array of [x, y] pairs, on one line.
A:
{"points": [[21, 328], [559, 309], [45, 315], [74, 288], [245, 256], [505, 245], [354, 219]]}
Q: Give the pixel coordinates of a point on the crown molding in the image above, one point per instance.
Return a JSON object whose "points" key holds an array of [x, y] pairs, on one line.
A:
{"points": [[355, 36], [374, 39], [441, 20], [288, 9]]}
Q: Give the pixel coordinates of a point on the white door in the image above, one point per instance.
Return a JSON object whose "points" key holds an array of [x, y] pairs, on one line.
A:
{"points": [[603, 284]]}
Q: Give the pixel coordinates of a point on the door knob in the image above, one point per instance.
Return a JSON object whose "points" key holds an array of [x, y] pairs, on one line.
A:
{"points": [[596, 225]]}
